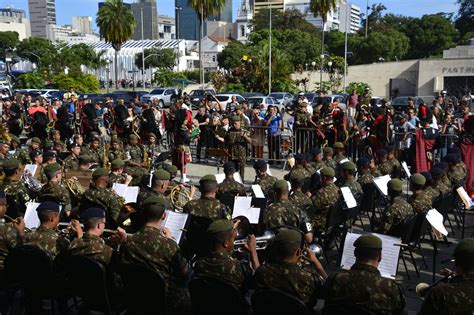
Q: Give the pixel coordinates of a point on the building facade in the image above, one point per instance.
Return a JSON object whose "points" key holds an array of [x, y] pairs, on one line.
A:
{"points": [[349, 17], [42, 14], [166, 27], [82, 24], [265, 4], [15, 20], [242, 27]]}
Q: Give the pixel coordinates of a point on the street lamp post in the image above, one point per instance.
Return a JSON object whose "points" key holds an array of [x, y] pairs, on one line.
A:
{"points": [[107, 71], [178, 10], [321, 72], [270, 55], [329, 73]]}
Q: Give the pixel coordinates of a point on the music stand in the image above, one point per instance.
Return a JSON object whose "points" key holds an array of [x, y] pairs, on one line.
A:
{"points": [[218, 153]]}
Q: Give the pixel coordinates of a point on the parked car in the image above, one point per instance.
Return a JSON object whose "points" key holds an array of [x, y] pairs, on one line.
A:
{"points": [[263, 102], [131, 94], [310, 96], [248, 95], [226, 98], [400, 103], [197, 96], [163, 95], [282, 97]]}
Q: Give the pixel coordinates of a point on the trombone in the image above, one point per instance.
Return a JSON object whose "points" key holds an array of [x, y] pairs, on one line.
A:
{"points": [[262, 241]]}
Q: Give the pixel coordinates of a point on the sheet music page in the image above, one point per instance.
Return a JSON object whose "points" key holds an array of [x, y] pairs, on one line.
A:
{"points": [[119, 189], [253, 214], [405, 168], [436, 220], [269, 172], [175, 222], [390, 254], [348, 197], [131, 194], [237, 178], [242, 205], [382, 184], [257, 191], [465, 197], [220, 178], [31, 168], [31, 216], [343, 161]]}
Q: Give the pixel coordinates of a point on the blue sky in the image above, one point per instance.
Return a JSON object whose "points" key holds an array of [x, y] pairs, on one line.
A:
{"points": [[66, 9]]}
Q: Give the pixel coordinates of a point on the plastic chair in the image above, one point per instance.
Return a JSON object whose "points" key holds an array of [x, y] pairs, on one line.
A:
{"points": [[273, 301], [212, 296]]}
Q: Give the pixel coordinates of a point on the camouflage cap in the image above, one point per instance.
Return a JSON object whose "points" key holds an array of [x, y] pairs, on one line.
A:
{"points": [[236, 118], [280, 185], [287, 236], [465, 247], [84, 159], [133, 137], [48, 206], [349, 166], [36, 140], [172, 169], [328, 171], [238, 107], [15, 139], [338, 145], [328, 150], [100, 172], [156, 200], [368, 241], [220, 226], [10, 164], [52, 168], [161, 174], [117, 163], [418, 179], [92, 213], [297, 176], [395, 184], [208, 178]]}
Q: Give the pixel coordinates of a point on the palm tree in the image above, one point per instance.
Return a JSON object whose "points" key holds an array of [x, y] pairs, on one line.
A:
{"points": [[205, 9], [322, 8], [116, 23]]}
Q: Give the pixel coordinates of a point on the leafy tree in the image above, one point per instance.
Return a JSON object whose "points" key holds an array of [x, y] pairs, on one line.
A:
{"points": [[387, 46], [231, 55], [218, 80], [165, 78], [159, 58], [39, 51], [83, 83], [358, 86], [8, 41], [116, 25], [282, 20], [465, 17], [375, 19], [29, 80]]}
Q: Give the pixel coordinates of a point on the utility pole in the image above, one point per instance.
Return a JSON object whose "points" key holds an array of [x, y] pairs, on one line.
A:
{"points": [[345, 44], [201, 64], [143, 51], [270, 55], [367, 18]]}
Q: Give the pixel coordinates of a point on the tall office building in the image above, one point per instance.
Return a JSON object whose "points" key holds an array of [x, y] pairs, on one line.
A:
{"points": [[349, 17], [42, 14], [188, 22], [265, 4], [147, 9], [82, 24]]}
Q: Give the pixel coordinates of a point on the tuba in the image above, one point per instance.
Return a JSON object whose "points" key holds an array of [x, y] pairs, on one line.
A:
{"points": [[179, 196], [32, 183]]}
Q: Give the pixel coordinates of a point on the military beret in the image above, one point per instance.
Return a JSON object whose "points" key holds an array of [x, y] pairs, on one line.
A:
{"points": [[133, 137], [10, 164], [92, 213], [74, 145], [220, 226], [35, 153], [454, 149], [100, 172], [381, 152], [287, 236], [327, 150], [84, 159], [54, 132], [52, 168], [260, 164], [442, 165], [115, 140], [208, 178], [370, 157], [315, 151], [350, 166], [309, 156], [117, 163], [395, 184], [229, 166], [338, 145], [94, 134], [172, 169], [15, 139], [238, 107], [389, 148], [436, 172], [236, 118], [161, 174], [49, 155], [368, 241], [48, 206], [297, 176], [464, 248], [95, 138], [36, 140], [300, 157], [427, 175], [2, 194], [328, 171], [363, 162], [452, 158], [151, 135], [418, 179], [280, 185], [155, 200]]}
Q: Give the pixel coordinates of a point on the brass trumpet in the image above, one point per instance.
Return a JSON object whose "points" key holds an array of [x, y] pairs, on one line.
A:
{"points": [[262, 241]]}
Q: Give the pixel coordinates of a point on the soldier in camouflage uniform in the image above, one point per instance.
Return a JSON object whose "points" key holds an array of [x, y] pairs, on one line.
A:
{"points": [[71, 163], [325, 198], [384, 166], [316, 162], [98, 195], [94, 151], [364, 176], [49, 157], [365, 98], [153, 246], [115, 151], [159, 185], [284, 273], [433, 192], [46, 237], [117, 175], [446, 182], [15, 190], [339, 152], [284, 212], [348, 180], [420, 201], [299, 167], [396, 166], [328, 160], [230, 184], [237, 140], [15, 143], [456, 296], [397, 211], [136, 162], [302, 120], [439, 184], [262, 178], [298, 198], [457, 173], [24, 155], [373, 168], [377, 294], [53, 190]]}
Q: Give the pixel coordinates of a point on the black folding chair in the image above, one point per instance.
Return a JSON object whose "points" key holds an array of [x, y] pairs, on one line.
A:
{"points": [[212, 295], [273, 301], [197, 243], [228, 198], [416, 225], [334, 224]]}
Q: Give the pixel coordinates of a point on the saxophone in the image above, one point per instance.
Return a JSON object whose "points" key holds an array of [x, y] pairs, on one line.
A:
{"points": [[146, 159], [105, 157]]}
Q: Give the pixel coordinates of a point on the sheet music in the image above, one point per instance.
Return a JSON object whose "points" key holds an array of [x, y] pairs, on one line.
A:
{"points": [[31, 216], [390, 253], [257, 191], [237, 178], [253, 214], [119, 189], [175, 222], [269, 172], [405, 168], [382, 184], [343, 161], [465, 197], [436, 220], [220, 178], [348, 197], [129, 193], [31, 168]]}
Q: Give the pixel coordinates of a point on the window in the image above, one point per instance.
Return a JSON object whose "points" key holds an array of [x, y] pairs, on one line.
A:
{"points": [[242, 31], [167, 28]]}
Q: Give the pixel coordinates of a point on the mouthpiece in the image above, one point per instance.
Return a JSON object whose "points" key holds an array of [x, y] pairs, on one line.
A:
{"points": [[421, 289]]}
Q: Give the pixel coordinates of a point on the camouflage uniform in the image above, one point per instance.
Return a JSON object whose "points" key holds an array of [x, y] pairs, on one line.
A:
{"points": [[96, 154], [9, 239], [289, 278], [24, 156], [365, 99], [300, 200], [355, 188], [206, 207], [104, 198], [48, 240], [55, 192], [136, 153], [284, 212], [316, 166], [144, 195], [395, 213], [375, 172], [324, 199], [421, 203], [364, 286], [447, 182], [230, 184], [298, 169], [266, 183], [395, 164], [237, 147], [113, 178], [338, 158], [117, 154], [457, 175], [432, 192], [91, 246], [222, 266], [441, 186], [17, 196], [385, 168], [365, 179], [455, 297], [71, 163], [331, 163]]}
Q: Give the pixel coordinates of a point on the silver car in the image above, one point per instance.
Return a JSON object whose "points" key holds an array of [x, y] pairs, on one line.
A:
{"points": [[163, 95], [283, 98]]}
